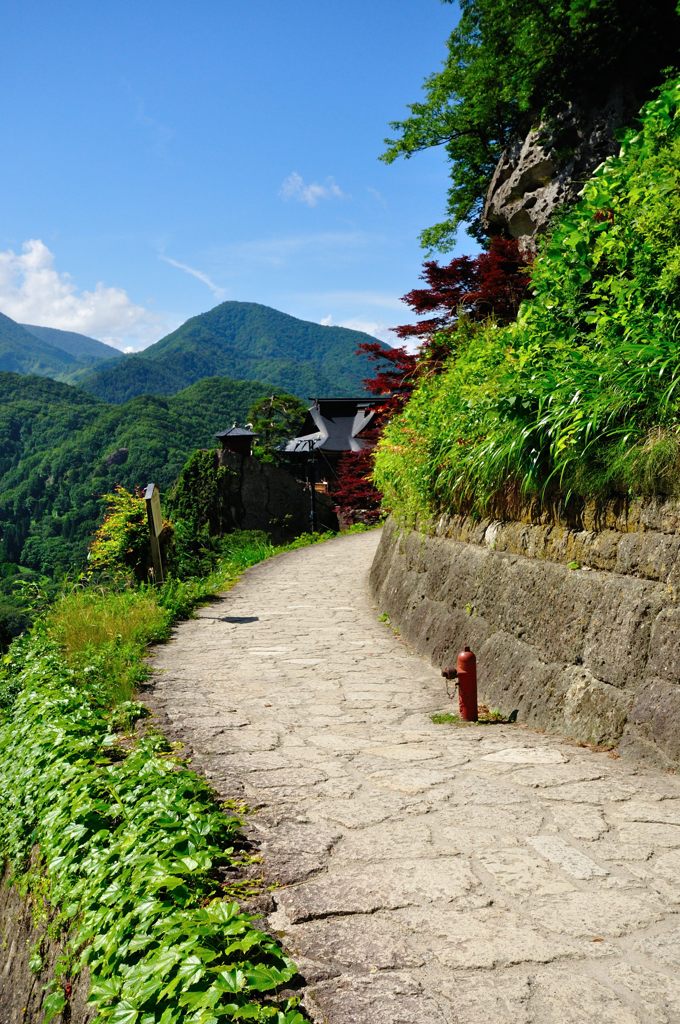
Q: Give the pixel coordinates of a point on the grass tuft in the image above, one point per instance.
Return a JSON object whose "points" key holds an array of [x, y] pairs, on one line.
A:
{"points": [[92, 618]]}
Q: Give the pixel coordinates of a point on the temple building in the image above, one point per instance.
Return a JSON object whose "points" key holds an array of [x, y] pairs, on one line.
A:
{"points": [[236, 440], [335, 426]]}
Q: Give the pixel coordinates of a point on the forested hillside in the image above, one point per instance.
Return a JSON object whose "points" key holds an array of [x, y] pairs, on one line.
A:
{"points": [[61, 449], [244, 341]]}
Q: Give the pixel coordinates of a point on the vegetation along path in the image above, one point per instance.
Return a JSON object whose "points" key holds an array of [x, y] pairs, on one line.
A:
{"points": [[427, 872]]}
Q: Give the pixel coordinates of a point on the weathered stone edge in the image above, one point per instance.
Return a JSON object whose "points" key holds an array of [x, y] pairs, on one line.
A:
{"points": [[642, 541]]}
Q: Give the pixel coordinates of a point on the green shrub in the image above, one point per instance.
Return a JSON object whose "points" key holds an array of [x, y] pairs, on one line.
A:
{"points": [[197, 495], [14, 619], [122, 541], [127, 846]]}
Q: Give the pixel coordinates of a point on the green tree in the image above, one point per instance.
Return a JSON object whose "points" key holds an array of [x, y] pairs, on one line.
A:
{"points": [[275, 419], [13, 620], [512, 64], [122, 541]]}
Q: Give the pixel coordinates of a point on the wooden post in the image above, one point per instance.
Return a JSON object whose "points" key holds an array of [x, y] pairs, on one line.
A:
{"points": [[152, 497], [312, 483]]}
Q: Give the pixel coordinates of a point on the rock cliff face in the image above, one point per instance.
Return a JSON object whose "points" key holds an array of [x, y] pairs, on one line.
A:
{"points": [[548, 168], [578, 630]]}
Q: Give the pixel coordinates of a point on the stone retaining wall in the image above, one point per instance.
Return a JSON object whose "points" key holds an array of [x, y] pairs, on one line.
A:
{"points": [[578, 630], [262, 496], [637, 538]]}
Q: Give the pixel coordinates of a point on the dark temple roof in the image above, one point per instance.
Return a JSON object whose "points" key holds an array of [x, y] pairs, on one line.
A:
{"points": [[235, 432], [334, 425]]}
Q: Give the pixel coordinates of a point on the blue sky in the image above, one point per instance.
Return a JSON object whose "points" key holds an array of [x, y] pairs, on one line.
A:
{"points": [[161, 157]]}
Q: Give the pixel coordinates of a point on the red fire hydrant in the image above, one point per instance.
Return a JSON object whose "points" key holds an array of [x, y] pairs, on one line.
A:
{"points": [[465, 673]]}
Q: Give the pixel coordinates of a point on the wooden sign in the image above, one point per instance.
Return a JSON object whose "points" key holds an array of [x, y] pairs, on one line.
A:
{"points": [[154, 516], [152, 496]]}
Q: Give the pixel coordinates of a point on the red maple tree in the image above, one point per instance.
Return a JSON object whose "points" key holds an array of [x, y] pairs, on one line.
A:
{"points": [[492, 283], [356, 498], [394, 379]]}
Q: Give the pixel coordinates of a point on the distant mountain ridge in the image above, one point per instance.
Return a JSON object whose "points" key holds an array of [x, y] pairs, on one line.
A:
{"points": [[79, 345], [240, 340], [49, 352], [243, 341]]}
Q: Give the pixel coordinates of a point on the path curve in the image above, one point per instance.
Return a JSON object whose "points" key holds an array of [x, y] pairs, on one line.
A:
{"points": [[429, 873]]}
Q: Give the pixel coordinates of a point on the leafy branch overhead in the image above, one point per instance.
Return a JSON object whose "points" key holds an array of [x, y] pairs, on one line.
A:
{"points": [[511, 66]]}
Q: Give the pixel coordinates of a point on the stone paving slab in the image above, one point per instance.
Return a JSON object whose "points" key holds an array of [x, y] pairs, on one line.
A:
{"points": [[426, 873]]}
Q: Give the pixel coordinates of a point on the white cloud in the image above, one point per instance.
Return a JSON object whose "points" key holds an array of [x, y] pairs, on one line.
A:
{"points": [[373, 327], [377, 195], [32, 291], [295, 187], [219, 293]]}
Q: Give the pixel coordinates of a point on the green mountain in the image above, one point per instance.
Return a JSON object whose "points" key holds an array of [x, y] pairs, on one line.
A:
{"points": [[61, 449], [48, 352], [245, 341], [22, 352], [82, 347]]}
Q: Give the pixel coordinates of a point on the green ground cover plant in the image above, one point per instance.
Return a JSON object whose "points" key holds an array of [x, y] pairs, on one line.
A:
{"points": [[579, 399], [104, 823]]}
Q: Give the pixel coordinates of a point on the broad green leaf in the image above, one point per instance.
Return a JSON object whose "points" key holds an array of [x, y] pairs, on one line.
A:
{"points": [[123, 1013], [52, 1006]]}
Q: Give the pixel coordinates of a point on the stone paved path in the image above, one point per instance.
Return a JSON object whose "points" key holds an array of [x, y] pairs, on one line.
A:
{"points": [[429, 873]]}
